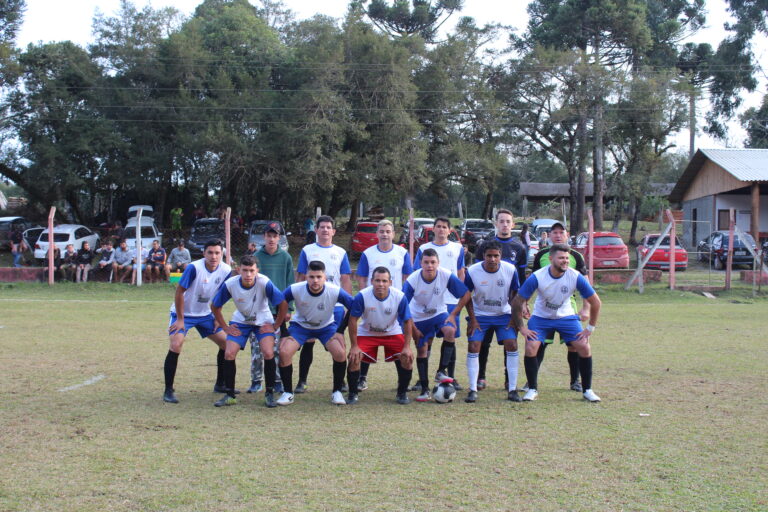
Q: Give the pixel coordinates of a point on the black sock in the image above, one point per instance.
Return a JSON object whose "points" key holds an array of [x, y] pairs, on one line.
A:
{"points": [[403, 378], [229, 370], [532, 371], [270, 367], [452, 364], [286, 375], [353, 378], [219, 371], [573, 364], [484, 349], [364, 367], [447, 354], [585, 366], [339, 369], [169, 368], [540, 353], [422, 364], [305, 361]]}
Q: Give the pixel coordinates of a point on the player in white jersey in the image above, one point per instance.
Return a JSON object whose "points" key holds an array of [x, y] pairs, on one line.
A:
{"points": [[313, 319], [553, 312], [493, 284], [384, 254], [337, 271], [380, 317], [425, 291], [451, 256], [191, 308], [252, 294]]}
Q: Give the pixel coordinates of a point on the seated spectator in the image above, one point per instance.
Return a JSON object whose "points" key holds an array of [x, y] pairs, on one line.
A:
{"points": [[121, 262], [56, 263], [179, 259], [84, 262], [156, 263], [107, 259], [139, 261], [69, 262]]}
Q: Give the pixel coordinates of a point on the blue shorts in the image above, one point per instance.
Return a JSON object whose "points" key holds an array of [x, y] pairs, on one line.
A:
{"points": [[432, 327], [203, 324], [497, 324], [245, 332], [458, 319], [568, 327], [136, 266], [301, 334]]}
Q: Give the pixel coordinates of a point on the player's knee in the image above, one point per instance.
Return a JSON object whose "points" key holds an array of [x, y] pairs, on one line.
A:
{"points": [[532, 348], [510, 345], [449, 332], [474, 347], [176, 344]]}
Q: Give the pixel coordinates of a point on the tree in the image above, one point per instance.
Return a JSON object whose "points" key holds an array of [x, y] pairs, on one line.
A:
{"points": [[404, 18]]}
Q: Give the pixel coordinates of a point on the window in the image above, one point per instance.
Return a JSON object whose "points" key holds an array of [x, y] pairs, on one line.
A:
{"points": [[82, 233]]}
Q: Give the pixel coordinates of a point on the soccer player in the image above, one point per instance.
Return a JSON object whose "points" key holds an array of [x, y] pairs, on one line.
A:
{"points": [[493, 284], [314, 320], [384, 254], [451, 255], [384, 321], [553, 312], [337, 271], [191, 308], [277, 265], [425, 292], [576, 261], [252, 294], [512, 251]]}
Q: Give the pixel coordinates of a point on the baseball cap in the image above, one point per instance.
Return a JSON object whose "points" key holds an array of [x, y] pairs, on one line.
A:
{"points": [[558, 225], [274, 226]]}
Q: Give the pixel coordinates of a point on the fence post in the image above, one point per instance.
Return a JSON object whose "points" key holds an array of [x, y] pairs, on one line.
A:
{"points": [[591, 250], [51, 247], [139, 270], [227, 235], [672, 249], [729, 258]]}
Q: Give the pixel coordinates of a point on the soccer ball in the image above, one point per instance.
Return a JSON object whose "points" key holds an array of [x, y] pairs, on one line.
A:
{"points": [[444, 393]]}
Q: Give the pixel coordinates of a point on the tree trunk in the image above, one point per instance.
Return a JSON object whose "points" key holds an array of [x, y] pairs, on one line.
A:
{"points": [[598, 159], [488, 206], [635, 217], [353, 215], [691, 124], [578, 219]]}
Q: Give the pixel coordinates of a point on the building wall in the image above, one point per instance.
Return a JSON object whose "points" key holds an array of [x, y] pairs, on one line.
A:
{"points": [[711, 179], [742, 203], [707, 210]]}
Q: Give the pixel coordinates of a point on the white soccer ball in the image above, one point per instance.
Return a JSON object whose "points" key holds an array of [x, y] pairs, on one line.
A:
{"points": [[444, 393]]}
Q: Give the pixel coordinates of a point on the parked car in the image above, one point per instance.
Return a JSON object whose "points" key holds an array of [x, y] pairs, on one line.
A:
{"points": [[417, 223], [8, 225], [472, 230], [202, 231], [31, 235], [609, 251], [256, 233], [538, 226], [63, 235], [146, 211], [714, 248], [660, 258], [533, 249], [149, 232], [363, 237], [765, 252]]}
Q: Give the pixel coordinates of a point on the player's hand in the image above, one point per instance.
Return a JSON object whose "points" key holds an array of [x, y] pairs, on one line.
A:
{"points": [[583, 336], [355, 355], [406, 355], [287, 317], [267, 329], [584, 314], [232, 330], [176, 326], [451, 320], [528, 334], [472, 327], [417, 334]]}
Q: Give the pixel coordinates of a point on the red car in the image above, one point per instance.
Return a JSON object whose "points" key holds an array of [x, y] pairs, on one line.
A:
{"points": [[609, 251], [660, 258], [363, 237]]}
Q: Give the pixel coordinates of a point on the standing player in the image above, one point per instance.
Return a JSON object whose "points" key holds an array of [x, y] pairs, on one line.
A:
{"points": [[553, 312], [337, 271], [384, 254], [252, 294], [512, 251], [191, 308], [385, 321], [425, 291], [451, 256], [314, 320], [576, 261], [493, 284]]}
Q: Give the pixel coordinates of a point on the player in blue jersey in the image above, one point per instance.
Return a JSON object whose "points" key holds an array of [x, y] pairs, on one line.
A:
{"points": [[553, 312], [252, 294]]}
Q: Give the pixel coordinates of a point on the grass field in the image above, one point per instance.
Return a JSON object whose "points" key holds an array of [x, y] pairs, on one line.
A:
{"points": [[682, 425]]}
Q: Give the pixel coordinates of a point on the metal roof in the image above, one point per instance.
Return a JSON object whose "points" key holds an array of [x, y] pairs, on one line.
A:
{"points": [[533, 190]]}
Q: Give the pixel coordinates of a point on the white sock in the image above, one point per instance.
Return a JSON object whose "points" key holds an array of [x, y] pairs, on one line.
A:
{"points": [[473, 370], [513, 360]]}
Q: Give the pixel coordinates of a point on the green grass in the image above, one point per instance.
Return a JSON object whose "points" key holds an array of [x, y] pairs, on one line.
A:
{"points": [[681, 425]]}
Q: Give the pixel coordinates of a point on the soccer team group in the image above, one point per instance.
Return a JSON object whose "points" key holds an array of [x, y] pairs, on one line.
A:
{"points": [[400, 304]]}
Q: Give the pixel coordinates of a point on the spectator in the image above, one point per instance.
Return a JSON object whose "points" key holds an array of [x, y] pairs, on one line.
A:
{"points": [[107, 253], [199, 213], [544, 240], [84, 262], [139, 257], [157, 256], [176, 216], [69, 262], [17, 247], [56, 262], [118, 233], [179, 259], [251, 249], [121, 262]]}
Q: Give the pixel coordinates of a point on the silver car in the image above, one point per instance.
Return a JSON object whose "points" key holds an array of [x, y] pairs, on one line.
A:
{"points": [[256, 233]]}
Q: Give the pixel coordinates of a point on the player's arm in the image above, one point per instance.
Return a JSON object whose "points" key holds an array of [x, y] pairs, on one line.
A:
{"points": [[406, 322], [222, 297], [346, 283], [460, 291], [362, 272], [362, 281], [355, 354], [591, 297], [178, 299], [472, 326], [277, 299], [513, 287], [519, 303], [301, 268]]}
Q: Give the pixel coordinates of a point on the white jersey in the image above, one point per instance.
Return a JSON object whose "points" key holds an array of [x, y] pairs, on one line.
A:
{"points": [[334, 258], [251, 304], [201, 286], [396, 260], [380, 317], [491, 290], [451, 255], [313, 311], [553, 299], [426, 299]]}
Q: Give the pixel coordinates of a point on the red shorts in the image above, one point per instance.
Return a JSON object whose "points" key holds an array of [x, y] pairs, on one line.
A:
{"points": [[392, 344]]}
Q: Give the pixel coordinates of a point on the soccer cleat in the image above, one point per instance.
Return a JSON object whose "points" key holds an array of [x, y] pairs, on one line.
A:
{"points": [[424, 396], [415, 387], [301, 387], [362, 384], [530, 395], [456, 385], [219, 388], [591, 396], [403, 399], [525, 388], [352, 399], [285, 399], [269, 399], [482, 384], [512, 396], [255, 386], [576, 386], [471, 397], [170, 397], [337, 398], [225, 400], [441, 378]]}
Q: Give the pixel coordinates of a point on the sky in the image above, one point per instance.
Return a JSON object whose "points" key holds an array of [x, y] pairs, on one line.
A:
{"points": [[57, 20]]}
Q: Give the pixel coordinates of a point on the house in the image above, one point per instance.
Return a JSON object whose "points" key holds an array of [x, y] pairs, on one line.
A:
{"points": [[717, 180]]}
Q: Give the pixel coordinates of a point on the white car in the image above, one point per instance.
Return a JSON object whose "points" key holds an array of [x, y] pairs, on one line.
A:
{"points": [[63, 235], [149, 232], [146, 211]]}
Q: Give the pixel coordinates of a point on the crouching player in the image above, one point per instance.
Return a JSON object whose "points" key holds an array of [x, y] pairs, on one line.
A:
{"points": [[380, 317], [425, 292], [252, 294], [553, 312], [314, 302]]}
